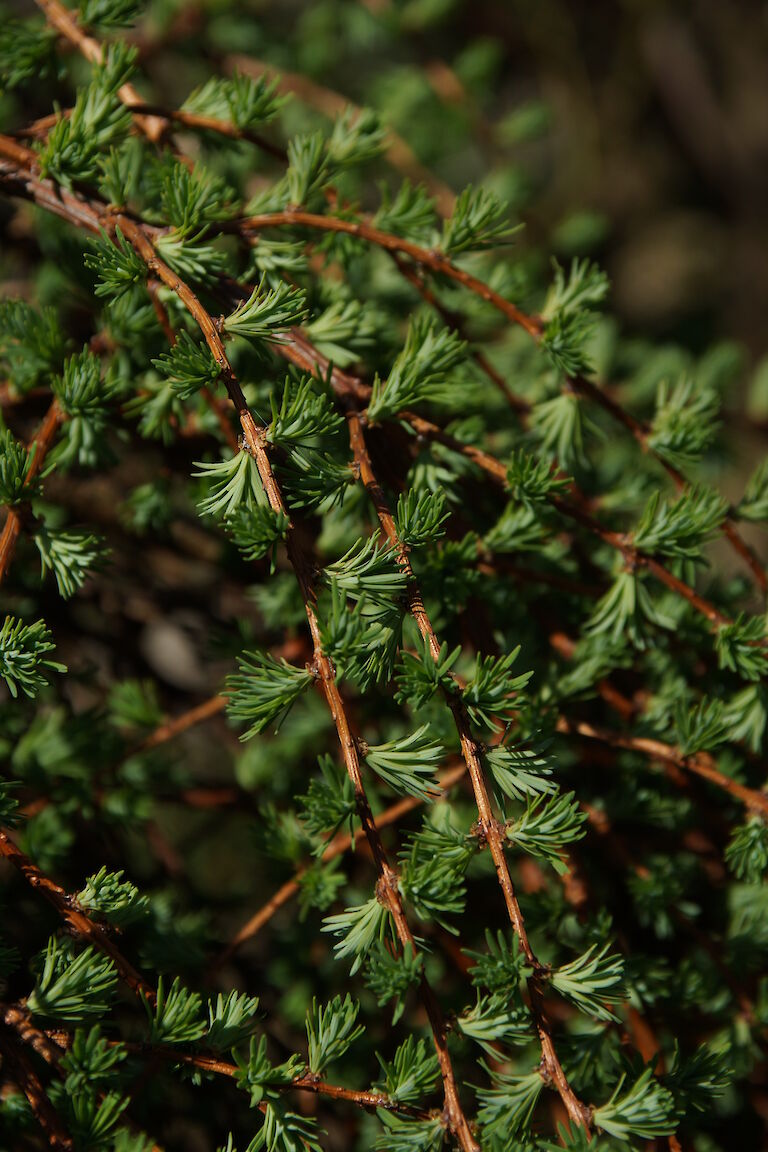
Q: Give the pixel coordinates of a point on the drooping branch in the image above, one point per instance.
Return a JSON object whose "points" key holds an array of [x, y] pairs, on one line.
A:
{"points": [[67, 26], [350, 387], [154, 125], [442, 266], [256, 444], [17, 1019], [20, 175]]}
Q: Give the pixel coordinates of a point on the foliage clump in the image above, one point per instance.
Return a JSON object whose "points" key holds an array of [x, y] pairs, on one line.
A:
{"points": [[375, 593]]}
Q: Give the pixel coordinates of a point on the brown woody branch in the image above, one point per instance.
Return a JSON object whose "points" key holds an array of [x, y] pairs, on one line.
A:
{"points": [[97, 218], [306, 1082], [302, 353], [678, 766], [67, 26], [18, 1020], [154, 124], [139, 236], [700, 764]]}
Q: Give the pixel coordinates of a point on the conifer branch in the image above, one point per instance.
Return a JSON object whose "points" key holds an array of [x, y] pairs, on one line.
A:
{"points": [[490, 828], [639, 430], [431, 259], [305, 1082], [641, 433], [349, 388], [301, 258], [399, 154], [302, 353]]}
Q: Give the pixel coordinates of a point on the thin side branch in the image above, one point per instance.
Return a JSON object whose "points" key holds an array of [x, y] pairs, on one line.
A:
{"points": [[18, 175], [701, 764], [67, 26]]}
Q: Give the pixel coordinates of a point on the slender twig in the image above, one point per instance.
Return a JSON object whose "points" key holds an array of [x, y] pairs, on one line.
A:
{"points": [[306, 1082], [678, 766], [199, 123], [170, 728], [142, 111], [700, 764], [67, 26], [427, 257], [18, 1019]]}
